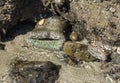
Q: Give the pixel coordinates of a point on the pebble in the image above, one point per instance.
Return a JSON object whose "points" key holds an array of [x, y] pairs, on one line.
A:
{"points": [[118, 50], [112, 9], [41, 22], [74, 36]]}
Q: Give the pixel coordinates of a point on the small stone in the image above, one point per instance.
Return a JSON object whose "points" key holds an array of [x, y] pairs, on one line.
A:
{"points": [[41, 22], [74, 36], [118, 50]]}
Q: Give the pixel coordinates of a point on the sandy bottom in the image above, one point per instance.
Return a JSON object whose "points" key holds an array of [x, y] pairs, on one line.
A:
{"points": [[85, 73]]}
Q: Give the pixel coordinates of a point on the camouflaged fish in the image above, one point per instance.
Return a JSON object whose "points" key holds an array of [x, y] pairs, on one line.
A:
{"points": [[49, 35]]}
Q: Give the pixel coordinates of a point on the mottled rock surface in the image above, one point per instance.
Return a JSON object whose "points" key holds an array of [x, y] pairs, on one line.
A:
{"points": [[102, 19], [34, 72], [97, 20]]}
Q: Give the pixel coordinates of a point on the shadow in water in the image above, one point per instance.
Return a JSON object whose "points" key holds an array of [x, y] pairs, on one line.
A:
{"points": [[25, 12], [19, 29]]}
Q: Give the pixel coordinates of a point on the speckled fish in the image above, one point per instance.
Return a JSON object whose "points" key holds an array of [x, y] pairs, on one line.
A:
{"points": [[50, 44], [49, 35]]}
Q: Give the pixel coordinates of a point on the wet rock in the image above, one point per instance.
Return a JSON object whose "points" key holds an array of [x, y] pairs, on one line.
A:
{"points": [[33, 72]]}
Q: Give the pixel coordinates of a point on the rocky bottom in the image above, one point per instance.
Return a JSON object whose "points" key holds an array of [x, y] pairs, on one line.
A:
{"points": [[33, 58], [34, 72]]}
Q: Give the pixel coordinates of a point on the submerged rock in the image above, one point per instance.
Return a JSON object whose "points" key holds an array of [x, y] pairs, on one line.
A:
{"points": [[33, 72]]}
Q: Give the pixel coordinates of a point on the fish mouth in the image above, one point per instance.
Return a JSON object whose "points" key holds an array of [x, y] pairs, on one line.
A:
{"points": [[52, 44], [44, 39], [47, 40]]}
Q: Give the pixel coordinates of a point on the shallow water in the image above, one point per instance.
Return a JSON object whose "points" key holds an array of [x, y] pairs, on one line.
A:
{"points": [[85, 73]]}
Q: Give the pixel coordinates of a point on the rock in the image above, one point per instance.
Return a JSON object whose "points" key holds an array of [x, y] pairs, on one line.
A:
{"points": [[34, 72]]}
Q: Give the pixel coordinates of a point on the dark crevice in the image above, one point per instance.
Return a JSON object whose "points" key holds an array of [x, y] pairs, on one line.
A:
{"points": [[19, 29], [108, 58], [45, 39]]}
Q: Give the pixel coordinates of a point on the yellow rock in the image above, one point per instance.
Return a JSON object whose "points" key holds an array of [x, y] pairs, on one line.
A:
{"points": [[41, 22], [69, 48]]}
